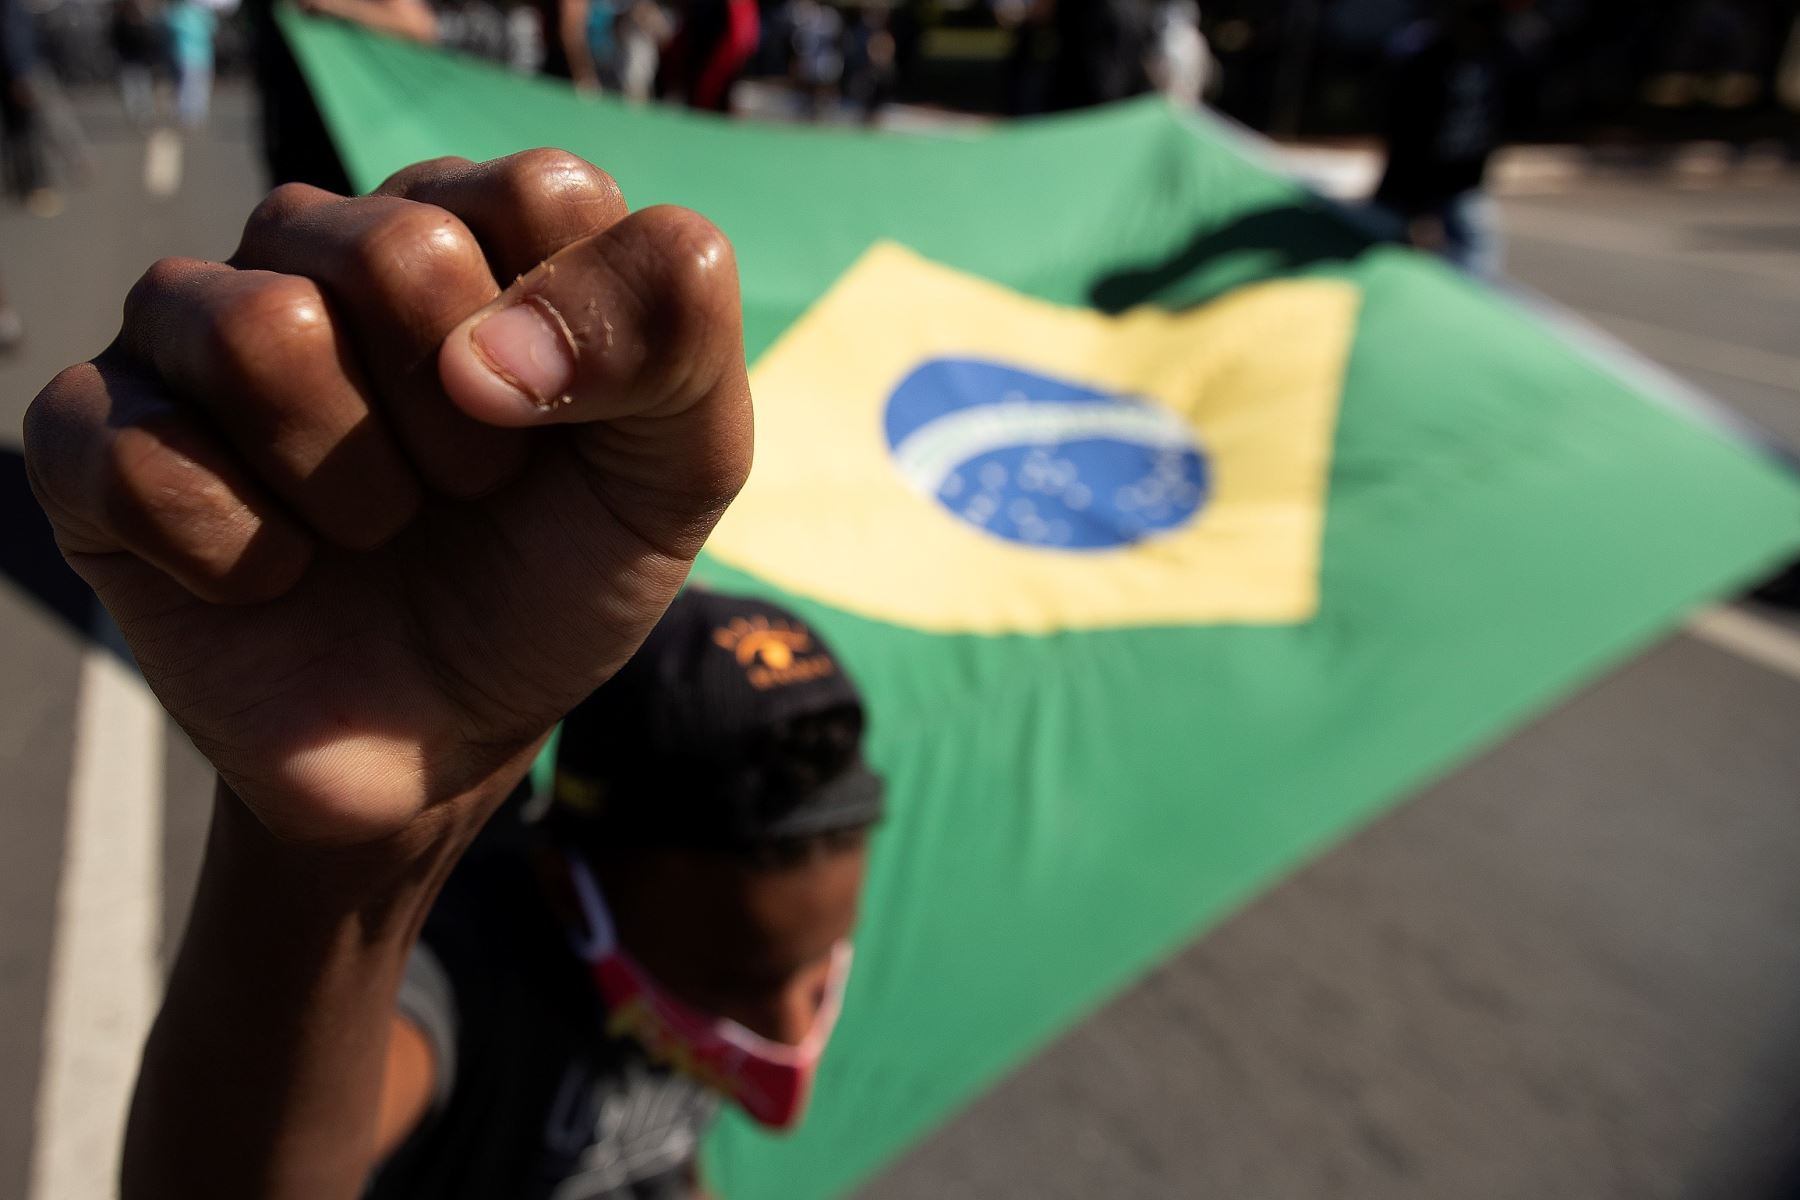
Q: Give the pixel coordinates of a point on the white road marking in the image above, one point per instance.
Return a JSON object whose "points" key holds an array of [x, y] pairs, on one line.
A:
{"points": [[1750, 637], [1770, 368], [162, 162], [103, 967]]}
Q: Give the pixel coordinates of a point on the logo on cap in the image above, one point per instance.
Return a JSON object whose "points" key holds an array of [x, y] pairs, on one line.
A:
{"points": [[773, 653]]}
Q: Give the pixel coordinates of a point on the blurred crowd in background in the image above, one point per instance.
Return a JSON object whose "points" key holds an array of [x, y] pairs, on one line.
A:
{"points": [[1636, 74], [1669, 68]]}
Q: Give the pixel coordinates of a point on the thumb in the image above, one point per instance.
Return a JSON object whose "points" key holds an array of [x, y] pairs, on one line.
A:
{"points": [[639, 320], [635, 335]]}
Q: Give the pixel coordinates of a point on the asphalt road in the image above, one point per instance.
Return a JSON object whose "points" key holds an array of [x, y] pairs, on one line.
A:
{"points": [[1571, 969]]}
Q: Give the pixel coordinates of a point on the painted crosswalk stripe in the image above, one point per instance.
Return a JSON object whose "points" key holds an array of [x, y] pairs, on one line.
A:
{"points": [[103, 973], [1749, 637], [162, 163]]}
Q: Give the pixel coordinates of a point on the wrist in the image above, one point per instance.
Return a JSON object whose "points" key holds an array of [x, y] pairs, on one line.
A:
{"points": [[382, 887], [365, 804], [262, 1075]]}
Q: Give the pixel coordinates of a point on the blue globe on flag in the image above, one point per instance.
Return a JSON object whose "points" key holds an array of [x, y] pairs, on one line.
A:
{"points": [[1043, 461]]}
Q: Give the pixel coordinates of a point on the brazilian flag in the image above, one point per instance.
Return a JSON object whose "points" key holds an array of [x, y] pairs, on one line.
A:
{"points": [[1172, 527]]}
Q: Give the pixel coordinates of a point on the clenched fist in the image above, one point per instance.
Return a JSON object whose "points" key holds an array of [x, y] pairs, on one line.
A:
{"points": [[382, 497]]}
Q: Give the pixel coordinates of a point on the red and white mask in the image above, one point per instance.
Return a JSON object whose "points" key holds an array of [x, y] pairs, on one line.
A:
{"points": [[771, 1081]]}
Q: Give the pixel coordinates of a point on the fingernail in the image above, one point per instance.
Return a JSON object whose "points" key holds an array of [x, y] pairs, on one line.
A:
{"points": [[528, 346]]}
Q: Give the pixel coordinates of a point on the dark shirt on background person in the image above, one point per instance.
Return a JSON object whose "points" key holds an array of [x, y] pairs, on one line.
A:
{"points": [[1445, 110], [18, 50], [296, 146], [21, 145], [1447, 80], [552, 16], [1101, 52], [536, 1097], [134, 34]]}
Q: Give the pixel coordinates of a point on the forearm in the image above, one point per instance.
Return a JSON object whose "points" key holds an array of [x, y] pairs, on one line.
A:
{"points": [[582, 71], [408, 20], [262, 1075], [572, 30]]}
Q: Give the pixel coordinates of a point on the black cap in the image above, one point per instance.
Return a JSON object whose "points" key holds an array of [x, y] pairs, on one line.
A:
{"points": [[676, 748]]}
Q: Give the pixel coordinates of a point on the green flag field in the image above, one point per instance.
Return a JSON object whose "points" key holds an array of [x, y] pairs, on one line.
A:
{"points": [[1172, 527]]}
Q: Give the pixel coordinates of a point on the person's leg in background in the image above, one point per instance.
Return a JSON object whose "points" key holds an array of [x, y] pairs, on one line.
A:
{"points": [[137, 91], [12, 329], [1471, 234], [26, 173], [61, 129], [193, 100]]}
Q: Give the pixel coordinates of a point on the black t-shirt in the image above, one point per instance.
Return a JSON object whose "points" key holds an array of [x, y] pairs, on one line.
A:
{"points": [[534, 1101], [1101, 46], [296, 146], [1445, 112], [556, 59]]}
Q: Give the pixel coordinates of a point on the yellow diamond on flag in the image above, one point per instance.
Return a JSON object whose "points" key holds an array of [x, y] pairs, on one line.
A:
{"points": [[935, 450]]}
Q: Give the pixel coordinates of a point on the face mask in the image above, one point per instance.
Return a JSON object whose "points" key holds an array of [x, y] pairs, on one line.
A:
{"points": [[769, 1080]]}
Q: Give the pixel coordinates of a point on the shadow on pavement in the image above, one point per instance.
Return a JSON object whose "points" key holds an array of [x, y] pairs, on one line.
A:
{"points": [[28, 553]]}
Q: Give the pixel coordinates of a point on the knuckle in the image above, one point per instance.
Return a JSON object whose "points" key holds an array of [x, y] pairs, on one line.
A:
{"points": [[158, 495], [424, 175], [45, 430], [697, 265], [542, 181], [62, 438], [142, 481], [686, 295], [411, 239], [165, 274], [55, 394], [164, 278], [543, 161], [266, 328], [676, 275], [281, 207]]}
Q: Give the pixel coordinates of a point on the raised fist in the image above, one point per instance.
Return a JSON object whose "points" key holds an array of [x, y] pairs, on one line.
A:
{"points": [[382, 497]]}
